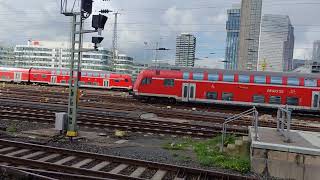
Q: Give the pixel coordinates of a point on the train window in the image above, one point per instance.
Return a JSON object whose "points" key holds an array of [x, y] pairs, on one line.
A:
{"points": [[126, 80], [146, 81], [169, 82], [244, 78], [258, 99], [116, 80], [212, 95], [95, 83], [35, 75], [198, 76], [260, 79], [82, 83], [293, 81], [89, 74], [185, 75], [102, 75], [276, 80], [63, 81], [228, 77], [44, 76], [64, 72], [95, 74], [185, 91], [89, 83], [213, 77], [310, 82], [227, 96], [275, 100], [293, 101]]}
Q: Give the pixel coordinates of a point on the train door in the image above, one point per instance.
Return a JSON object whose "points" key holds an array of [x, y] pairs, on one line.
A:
{"points": [[106, 83], [316, 99], [53, 80], [188, 92], [17, 76]]}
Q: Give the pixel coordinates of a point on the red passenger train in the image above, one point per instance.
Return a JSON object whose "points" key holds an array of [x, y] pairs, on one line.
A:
{"points": [[92, 79], [266, 89]]}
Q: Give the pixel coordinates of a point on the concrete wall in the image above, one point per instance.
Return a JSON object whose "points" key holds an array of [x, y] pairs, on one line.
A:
{"points": [[285, 164]]}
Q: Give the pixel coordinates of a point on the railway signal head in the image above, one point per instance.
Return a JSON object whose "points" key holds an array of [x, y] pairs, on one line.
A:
{"points": [[97, 40], [86, 8], [98, 21]]}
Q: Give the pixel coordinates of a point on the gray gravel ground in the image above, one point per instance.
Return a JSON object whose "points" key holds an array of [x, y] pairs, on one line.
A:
{"points": [[139, 146]]}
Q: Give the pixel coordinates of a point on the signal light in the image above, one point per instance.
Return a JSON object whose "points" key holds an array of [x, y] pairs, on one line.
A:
{"points": [[86, 6], [98, 21], [96, 41]]}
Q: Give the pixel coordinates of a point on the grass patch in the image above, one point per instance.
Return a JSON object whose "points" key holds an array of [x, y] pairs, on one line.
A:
{"points": [[176, 146], [12, 128], [208, 153]]}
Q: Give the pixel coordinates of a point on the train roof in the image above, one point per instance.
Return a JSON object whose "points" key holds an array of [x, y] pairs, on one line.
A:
{"points": [[224, 71]]}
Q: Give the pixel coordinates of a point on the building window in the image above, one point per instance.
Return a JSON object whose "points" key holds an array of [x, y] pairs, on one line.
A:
{"points": [[169, 82], [146, 81], [310, 82], [198, 76], [293, 81], [275, 100], [260, 79], [276, 80], [213, 77], [185, 75], [212, 95], [244, 78], [293, 101], [228, 78], [227, 96], [258, 99]]}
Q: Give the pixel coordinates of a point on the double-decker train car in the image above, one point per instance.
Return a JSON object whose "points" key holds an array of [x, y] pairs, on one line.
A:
{"points": [[92, 79], [267, 89]]}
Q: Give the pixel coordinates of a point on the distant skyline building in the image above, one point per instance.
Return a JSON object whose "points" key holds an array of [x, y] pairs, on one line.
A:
{"points": [[185, 50], [123, 64], [276, 43], [232, 42], [250, 20], [316, 51]]}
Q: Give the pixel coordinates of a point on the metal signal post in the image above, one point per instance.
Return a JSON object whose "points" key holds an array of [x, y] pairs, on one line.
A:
{"points": [[78, 16]]}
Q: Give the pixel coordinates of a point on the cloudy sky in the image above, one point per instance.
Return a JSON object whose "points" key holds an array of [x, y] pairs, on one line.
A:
{"points": [[155, 21]]}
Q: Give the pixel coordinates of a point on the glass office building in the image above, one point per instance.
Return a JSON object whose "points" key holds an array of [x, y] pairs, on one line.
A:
{"points": [[276, 43], [232, 42]]}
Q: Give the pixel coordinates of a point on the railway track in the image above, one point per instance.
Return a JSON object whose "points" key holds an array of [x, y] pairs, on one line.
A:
{"points": [[99, 118], [110, 99], [51, 162], [95, 118]]}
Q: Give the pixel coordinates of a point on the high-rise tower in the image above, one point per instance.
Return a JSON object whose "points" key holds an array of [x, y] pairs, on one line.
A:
{"points": [[232, 42], [250, 20], [276, 43], [185, 50], [316, 51]]}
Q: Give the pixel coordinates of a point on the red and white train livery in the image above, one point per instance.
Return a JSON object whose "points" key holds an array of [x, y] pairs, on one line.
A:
{"points": [[267, 89], [92, 79]]}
